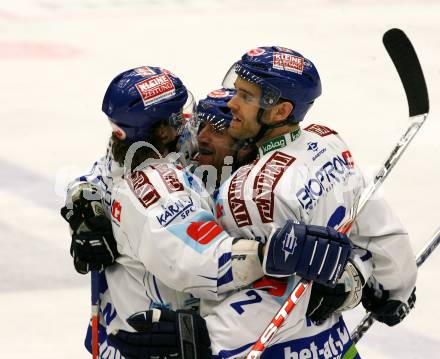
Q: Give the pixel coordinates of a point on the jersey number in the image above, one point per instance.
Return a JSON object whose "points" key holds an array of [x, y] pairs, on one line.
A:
{"points": [[255, 298]]}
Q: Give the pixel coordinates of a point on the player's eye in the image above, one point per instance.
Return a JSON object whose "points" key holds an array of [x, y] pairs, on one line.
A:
{"points": [[245, 96]]}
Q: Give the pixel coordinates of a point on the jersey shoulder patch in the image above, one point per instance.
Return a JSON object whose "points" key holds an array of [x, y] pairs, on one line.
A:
{"points": [[320, 130], [142, 188], [169, 177]]}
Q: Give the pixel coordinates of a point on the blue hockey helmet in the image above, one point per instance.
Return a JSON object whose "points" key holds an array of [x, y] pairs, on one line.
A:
{"points": [[214, 109], [140, 98], [281, 73]]}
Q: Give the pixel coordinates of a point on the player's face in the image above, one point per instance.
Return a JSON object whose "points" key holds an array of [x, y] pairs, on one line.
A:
{"points": [[214, 146], [244, 106]]}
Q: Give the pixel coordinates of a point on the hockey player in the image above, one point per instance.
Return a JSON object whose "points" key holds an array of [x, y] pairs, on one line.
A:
{"points": [[169, 245], [307, 174]]}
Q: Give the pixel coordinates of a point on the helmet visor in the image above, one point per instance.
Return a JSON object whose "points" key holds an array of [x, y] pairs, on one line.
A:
{"points": [[269, 94], [180, 119]]}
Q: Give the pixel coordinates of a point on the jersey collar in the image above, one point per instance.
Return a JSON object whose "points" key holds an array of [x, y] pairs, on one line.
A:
{"points": [[278, 142]]}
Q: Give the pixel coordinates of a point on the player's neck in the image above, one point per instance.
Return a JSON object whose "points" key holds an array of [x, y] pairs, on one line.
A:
{"points": [[275, 132]]}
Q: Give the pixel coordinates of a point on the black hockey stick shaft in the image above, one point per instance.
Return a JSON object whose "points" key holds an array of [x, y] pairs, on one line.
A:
{"points": [[368, 320], [407, 64]]}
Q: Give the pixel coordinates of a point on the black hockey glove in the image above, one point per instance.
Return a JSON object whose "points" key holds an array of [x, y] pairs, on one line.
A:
{"points": [[93, 246], [324, 300], [163, 333], [383, 309]]}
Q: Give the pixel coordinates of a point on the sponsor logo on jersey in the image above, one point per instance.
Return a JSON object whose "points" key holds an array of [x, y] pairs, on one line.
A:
{"points": [[116, 210], [144, 71], [219, 210], [333, 342], [169, 177], [204, 232], [179, 209], [155, 88], [295, 134], [256, 52], [330, 173], [274, 286], [289, 244], [332, 347], [288, 62], [236, 197], [313, 146], [348, 158], [274, 144], [320, 130], [266, 181], [141, 186]]}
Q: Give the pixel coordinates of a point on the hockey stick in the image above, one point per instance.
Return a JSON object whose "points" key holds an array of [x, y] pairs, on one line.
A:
{"points": [[95, 313], [407, 65], [368, 320]]}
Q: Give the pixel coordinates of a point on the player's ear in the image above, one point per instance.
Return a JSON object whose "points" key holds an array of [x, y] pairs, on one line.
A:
{"points": [[282, 110]]}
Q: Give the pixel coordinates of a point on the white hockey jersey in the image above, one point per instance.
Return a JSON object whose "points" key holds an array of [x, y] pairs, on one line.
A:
{"points": [[308, 175], [172, 250], [169, 243]]}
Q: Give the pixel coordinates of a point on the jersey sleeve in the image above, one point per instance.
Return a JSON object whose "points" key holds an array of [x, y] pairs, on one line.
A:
{"points": [[164, 220], [378, 230], [100, 176]]}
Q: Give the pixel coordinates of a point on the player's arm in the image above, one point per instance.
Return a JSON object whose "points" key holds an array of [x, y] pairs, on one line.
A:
{"points": [[179, 241], [93, 246]]}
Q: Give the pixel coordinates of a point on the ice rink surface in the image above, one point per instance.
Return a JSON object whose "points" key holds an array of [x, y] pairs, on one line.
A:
{"points": [[56, 59]]}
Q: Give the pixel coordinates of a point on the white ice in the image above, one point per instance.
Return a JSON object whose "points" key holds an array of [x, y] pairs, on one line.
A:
{"points": [[56, 59]]}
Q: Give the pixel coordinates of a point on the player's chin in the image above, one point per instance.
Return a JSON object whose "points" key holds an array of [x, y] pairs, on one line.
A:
{"points": [[236, 131]]}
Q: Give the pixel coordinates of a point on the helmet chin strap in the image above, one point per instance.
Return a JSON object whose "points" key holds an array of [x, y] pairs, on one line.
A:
{"points": [[266, 127]]}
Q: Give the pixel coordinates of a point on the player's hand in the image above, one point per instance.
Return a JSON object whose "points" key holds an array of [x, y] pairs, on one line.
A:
{"points": [[383, 309], [95, 249], [162, 333], [312, 252], [347, 294], [93, 246]]}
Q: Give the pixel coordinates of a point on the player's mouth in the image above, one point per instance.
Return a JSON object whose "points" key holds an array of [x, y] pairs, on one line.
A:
{"points": [[205, 156], [235, 121]]}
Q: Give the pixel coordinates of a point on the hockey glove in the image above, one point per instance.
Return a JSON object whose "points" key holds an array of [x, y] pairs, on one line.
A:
{"points": [[163, 333], [93, 246], [324, 301], [312, 252], [383, 309]]}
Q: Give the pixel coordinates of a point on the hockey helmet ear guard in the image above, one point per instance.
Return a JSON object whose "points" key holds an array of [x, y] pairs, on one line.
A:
{"points": [[281, 73], [139, 98]]}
